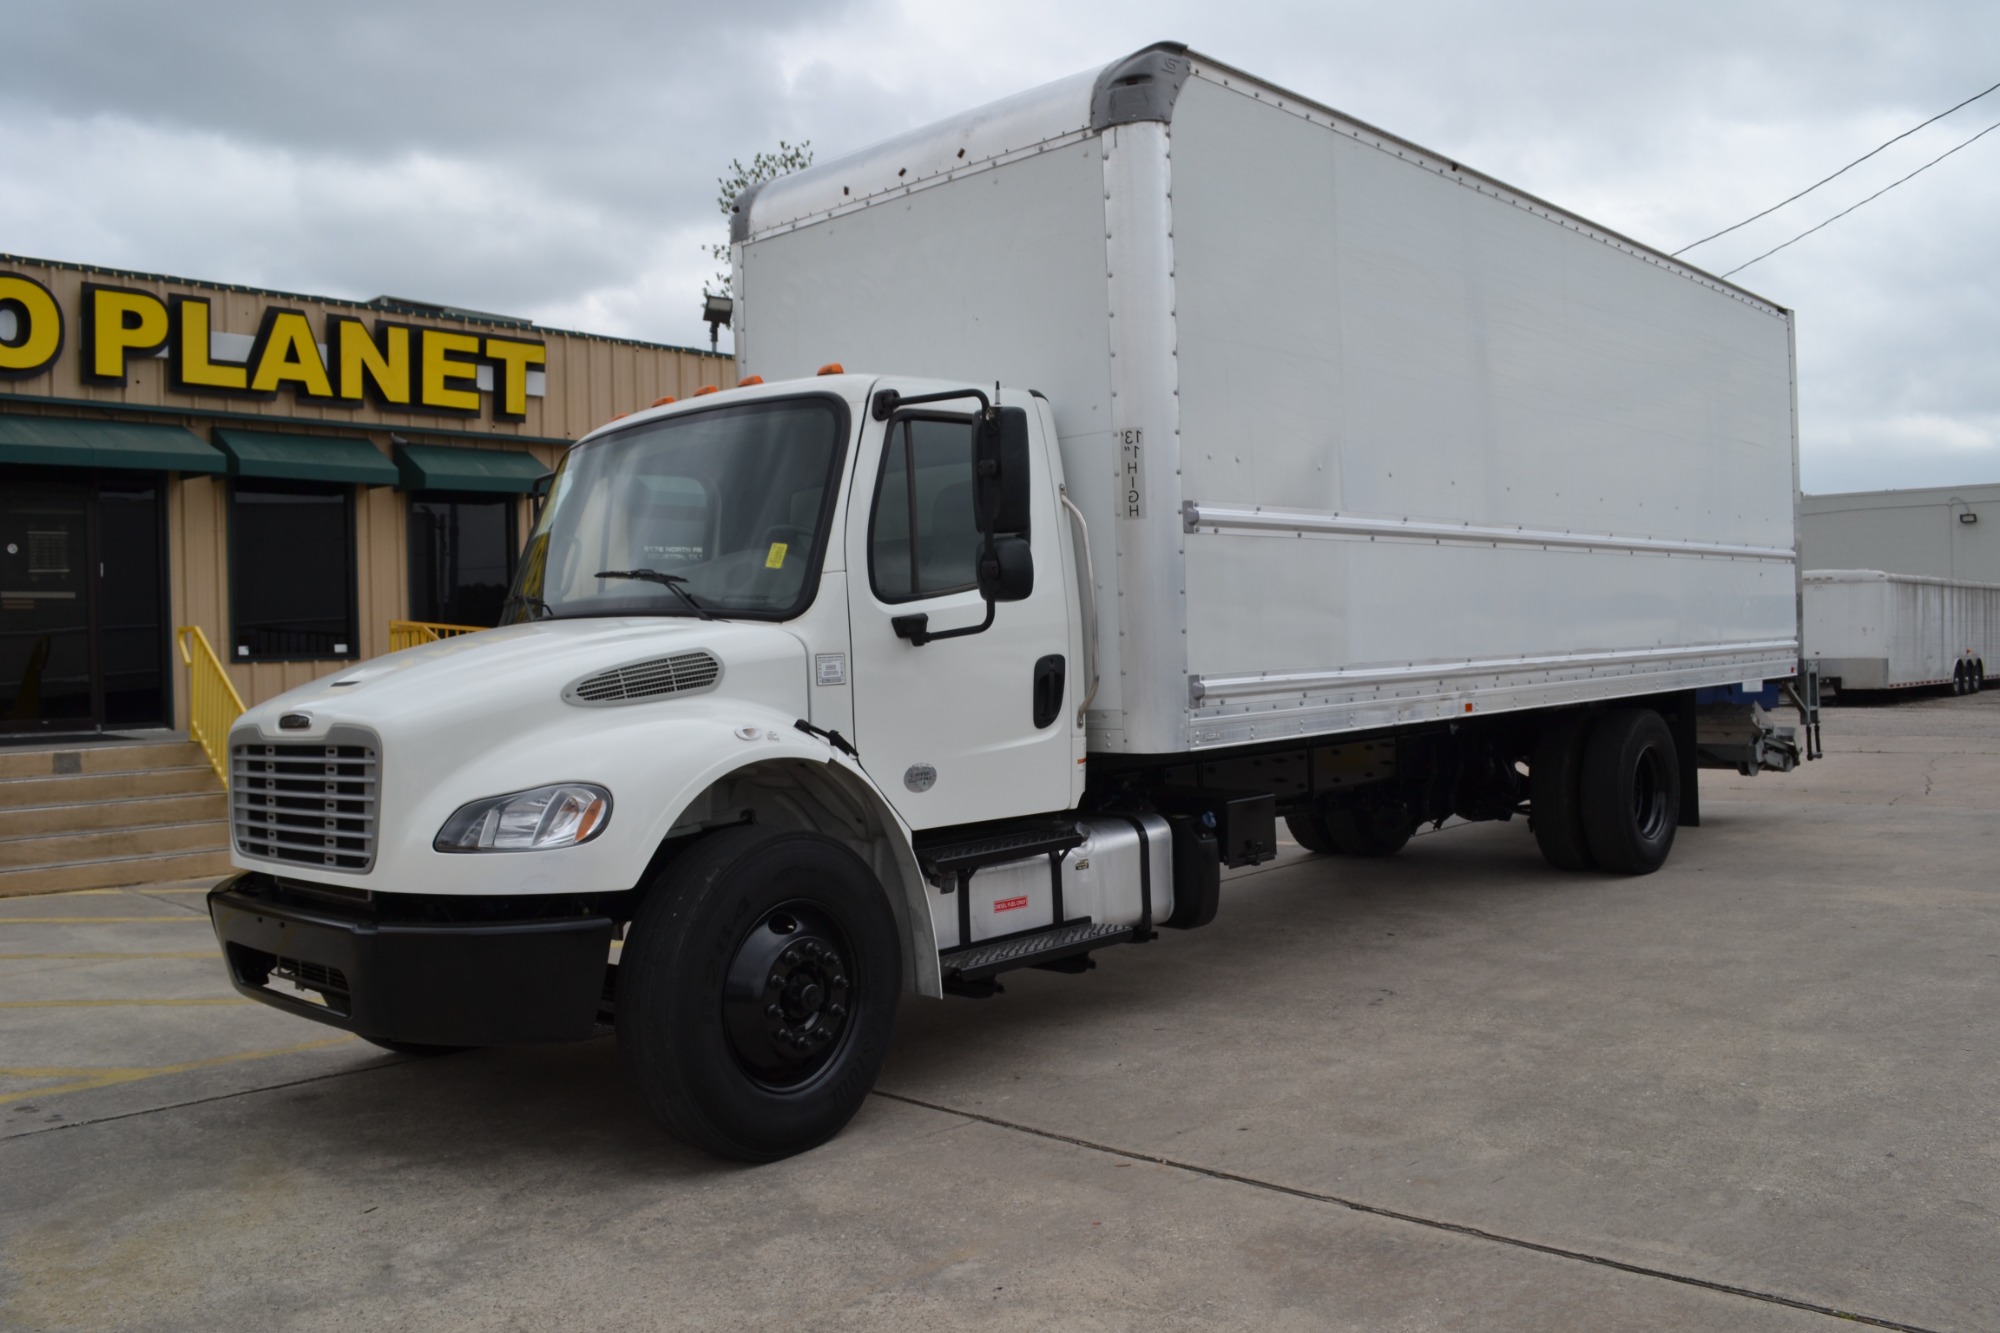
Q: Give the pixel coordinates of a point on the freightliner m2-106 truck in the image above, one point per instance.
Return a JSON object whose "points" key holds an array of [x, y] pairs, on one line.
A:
{"points": [[1209, 460]]}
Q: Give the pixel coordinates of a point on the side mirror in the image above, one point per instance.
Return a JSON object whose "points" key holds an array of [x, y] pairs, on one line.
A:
{"points": [[1007, 570], [1000, 462]]}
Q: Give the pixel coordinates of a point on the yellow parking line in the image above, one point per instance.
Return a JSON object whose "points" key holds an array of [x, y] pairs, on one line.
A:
{"points": [[106, 1004], [85, 1080], [25, 957], [95, 920]]}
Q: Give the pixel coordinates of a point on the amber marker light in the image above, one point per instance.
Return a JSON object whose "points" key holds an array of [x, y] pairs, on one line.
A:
{"points": [[662, 402], [705, 389], [749, 380], [833, 368]]}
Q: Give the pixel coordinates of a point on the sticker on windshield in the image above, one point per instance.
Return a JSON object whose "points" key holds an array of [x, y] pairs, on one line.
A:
{"points": [[776, 559]]}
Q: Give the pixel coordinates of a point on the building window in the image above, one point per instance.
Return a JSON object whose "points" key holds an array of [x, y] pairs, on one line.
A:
{"points": [[461, 556], [292, 570]]}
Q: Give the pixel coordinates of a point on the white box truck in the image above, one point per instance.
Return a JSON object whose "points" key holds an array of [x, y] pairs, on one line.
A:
{"points": [[1207, 458], [1870, 630]]}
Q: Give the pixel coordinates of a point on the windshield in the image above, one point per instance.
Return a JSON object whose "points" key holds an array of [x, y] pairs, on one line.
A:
{"points": [[718, 512]]}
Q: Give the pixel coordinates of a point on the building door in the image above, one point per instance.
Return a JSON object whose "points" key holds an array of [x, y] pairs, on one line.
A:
{"points": [[82, 632]]}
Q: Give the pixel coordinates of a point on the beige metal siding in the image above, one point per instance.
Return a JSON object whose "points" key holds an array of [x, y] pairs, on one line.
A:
{"points": [[591, 378]]}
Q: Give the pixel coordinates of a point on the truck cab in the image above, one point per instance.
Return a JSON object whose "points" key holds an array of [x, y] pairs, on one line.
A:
{"points": [[839, 619]]}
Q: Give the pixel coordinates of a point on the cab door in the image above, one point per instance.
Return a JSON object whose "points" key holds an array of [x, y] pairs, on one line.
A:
{"points": [[965, 729]]}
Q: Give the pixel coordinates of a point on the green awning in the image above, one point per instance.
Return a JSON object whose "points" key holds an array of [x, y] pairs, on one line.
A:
{"points": [[75, 442], [257, 453], [438, 467]]}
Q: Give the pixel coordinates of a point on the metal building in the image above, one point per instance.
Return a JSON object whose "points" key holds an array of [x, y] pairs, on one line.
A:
{"points": [[289, 474], [1944, 532]]}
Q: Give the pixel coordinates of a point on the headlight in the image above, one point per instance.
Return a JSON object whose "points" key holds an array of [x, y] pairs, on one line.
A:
{"points": [[528, 821]]}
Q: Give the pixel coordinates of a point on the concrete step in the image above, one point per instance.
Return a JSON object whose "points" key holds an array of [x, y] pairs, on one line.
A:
{"points": [[113, 844], [81, 816], [97, 757], [114, 873], [71, 788]]}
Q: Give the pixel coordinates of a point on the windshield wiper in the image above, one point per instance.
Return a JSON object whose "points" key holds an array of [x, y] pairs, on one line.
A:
{"points": [[542, 609], [671, 582]]}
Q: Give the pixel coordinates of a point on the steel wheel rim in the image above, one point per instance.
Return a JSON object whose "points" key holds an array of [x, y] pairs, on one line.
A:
{"points": [[788, 1003], [1649, 795]]}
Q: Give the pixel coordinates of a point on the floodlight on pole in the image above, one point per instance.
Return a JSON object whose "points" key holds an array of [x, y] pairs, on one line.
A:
{"points": [[717, 310]]}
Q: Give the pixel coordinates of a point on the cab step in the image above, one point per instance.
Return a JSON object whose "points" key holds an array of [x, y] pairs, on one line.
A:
{"points": [[949, 864], [981, 961]]}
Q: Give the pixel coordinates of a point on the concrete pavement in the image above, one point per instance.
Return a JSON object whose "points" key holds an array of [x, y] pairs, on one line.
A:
{"points": [[1449, 1090]]}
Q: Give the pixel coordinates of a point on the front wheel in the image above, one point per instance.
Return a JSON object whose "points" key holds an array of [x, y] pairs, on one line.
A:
{"points": [[756, 992]]}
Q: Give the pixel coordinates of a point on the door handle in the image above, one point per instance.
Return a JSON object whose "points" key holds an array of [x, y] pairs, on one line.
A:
{"points": [[1049, 673]]}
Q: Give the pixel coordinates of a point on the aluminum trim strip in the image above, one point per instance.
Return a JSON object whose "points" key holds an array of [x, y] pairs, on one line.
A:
{"points": [[1196, 517], [1202, 688]]}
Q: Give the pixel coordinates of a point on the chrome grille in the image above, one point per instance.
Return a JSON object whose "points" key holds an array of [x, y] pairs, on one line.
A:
{"points": [[311, 804], [645, 680]]}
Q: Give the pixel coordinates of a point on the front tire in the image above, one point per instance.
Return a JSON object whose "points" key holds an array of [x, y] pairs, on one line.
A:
{"points": [[757, 991], [1631, 792]]}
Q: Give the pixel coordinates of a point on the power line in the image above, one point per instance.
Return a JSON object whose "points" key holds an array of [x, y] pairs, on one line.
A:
{"points": [[1843, 171], [1877, 195]]}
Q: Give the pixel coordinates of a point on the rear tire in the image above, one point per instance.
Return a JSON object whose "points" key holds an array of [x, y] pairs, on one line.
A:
{"points": [[1631, 792], [1371, 830], [757, 991], [1309, 830], [1555, 792]]}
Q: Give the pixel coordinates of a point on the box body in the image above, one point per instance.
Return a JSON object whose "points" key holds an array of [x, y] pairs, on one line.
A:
{"points": [[1876, 631], [1363, 437]]}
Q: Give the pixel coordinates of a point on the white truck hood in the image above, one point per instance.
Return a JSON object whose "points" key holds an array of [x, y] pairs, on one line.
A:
{"points": [[500, 711]]}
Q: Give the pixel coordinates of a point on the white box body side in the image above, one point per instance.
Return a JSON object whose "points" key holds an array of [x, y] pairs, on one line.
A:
{"points": [[1876, 631], [1364, 334]]}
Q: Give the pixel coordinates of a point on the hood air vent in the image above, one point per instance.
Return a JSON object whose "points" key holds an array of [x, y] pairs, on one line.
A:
{"points": [[680, 674]]}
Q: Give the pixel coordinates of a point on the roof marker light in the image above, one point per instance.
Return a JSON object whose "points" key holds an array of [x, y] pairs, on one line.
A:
{"points": [[706, 388], [662, 402], [749, 380], [832, 368]]}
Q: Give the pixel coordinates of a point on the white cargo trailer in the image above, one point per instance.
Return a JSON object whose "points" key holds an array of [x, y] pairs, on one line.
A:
{"points": [[1870, 630], [1207, 457]]}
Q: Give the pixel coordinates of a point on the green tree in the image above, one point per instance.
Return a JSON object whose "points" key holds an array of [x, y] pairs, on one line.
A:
{"points": [[763, 167]]}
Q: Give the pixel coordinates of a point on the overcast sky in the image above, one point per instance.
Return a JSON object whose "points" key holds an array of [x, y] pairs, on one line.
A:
{"points": [[560, 161]]}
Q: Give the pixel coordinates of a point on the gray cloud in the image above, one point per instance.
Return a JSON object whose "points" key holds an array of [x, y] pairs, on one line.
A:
{"points": [[560, 162]]}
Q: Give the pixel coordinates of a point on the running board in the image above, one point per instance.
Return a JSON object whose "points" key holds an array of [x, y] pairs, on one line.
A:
{"points": [[1044, 946], [950, 864]]}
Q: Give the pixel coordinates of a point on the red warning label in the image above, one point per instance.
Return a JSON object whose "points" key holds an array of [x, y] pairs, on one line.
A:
{"points": [[1008, 904]]}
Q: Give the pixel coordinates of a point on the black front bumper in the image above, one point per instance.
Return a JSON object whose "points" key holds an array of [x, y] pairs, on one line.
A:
{"points": [[484, 983]]}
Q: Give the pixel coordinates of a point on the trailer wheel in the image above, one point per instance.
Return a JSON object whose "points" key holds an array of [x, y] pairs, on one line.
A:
{"points": [[1309, 830], [1631, 791], [1555, 792], [756, 992], [1371, 830]]}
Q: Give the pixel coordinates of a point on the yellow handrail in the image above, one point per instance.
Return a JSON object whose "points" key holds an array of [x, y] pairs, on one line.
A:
{"points": [[213, 703], [409, 633]]}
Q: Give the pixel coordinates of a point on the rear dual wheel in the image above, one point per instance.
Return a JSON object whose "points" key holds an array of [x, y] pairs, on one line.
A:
{"points": [[756, 992], [1604, 791]]}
